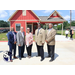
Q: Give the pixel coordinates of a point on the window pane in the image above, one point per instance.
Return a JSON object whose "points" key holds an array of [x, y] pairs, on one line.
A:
{"points": [[18, 27]]}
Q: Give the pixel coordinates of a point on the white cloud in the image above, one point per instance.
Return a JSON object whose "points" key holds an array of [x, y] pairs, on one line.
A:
{"points": [[48, 11], [11, 12], [3, 14], [67, 17], [60, 12]]}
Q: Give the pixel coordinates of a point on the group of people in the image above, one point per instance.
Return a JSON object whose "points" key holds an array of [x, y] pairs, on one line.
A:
{"points": [[71, 33], [41, 36]]}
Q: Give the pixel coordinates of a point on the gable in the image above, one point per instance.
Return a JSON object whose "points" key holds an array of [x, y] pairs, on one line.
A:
{"points": [[55, 14], [23, 15]]}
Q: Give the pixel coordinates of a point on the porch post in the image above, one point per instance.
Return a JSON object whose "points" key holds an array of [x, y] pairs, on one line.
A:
{"points": [[62, 28]]}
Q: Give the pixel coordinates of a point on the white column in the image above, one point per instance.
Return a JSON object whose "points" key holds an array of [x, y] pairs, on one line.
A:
{"points": [[32, 27], [62, 28]]}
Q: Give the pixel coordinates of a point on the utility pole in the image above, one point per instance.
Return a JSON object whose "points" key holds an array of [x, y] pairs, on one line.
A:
{"points": [[70, 18]]}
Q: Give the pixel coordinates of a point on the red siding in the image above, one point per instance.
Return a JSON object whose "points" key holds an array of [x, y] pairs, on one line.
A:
{"points": [[29, 16], [23, 24], [55, 16]]}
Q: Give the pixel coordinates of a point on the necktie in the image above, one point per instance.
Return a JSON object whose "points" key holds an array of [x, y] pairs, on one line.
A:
{"points": [[14, 37]]}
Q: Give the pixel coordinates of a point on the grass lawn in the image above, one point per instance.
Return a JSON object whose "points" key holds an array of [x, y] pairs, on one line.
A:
{"points": [[59, 33], [3, 37]]}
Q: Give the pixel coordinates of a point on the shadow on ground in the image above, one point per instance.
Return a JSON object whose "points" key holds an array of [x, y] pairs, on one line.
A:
{"points": [[45, 54], [1, 51]]}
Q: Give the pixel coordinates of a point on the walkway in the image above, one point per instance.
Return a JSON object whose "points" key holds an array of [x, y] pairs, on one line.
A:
{"points": [[64, 54]]}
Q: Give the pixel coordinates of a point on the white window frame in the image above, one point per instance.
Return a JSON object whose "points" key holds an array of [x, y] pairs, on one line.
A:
{"points": [[15, 26]]}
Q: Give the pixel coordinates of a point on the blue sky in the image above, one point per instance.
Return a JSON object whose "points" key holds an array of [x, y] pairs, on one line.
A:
{"points": [[5, 14]]}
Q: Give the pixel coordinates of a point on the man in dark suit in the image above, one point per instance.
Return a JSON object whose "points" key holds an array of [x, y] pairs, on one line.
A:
{"points": [[12, 42]]}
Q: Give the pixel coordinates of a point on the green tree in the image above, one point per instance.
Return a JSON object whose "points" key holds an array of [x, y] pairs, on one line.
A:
{"points": [[4, 23], [66, 24], [59, 27], [73, 23]]}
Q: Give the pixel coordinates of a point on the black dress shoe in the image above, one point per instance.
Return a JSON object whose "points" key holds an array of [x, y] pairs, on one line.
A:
{"points": [[48, 56], [23, 57], [51, 60], [19, 58], [42, 59], [38, 56]]}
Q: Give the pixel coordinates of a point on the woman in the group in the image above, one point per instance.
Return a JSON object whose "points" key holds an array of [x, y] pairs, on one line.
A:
{"points": [[72, 33], [29, 42]]}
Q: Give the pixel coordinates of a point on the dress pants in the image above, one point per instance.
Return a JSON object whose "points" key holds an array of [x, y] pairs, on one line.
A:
{"points": [[41, 51], [66, 35], [38, 50], [71, 36], [12, 47], [29, 49], [21, 51], [23, 47], [51, 51]]}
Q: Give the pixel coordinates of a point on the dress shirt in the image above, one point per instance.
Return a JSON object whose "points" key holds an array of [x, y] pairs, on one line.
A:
{"points": [[14, 35], [49, 30], [22, 34]]}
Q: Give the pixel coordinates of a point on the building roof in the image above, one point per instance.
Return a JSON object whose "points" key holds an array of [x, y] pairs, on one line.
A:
{"points": [[18, 10], [45, 18]]}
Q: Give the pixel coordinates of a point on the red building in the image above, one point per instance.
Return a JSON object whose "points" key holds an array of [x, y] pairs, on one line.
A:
{"points": [[27, 18]]}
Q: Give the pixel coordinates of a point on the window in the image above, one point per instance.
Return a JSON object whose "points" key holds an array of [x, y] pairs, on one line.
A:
{"points": [[18, 27], [54, 14], [24, 12]]}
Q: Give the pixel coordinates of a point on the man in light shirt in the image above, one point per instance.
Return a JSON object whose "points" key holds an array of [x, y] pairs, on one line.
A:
{"points": [[50, 40], [21, 42], [67, 32]]}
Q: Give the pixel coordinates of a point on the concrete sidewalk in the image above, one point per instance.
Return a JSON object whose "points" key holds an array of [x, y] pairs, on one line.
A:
{"points": [[64, 54]]}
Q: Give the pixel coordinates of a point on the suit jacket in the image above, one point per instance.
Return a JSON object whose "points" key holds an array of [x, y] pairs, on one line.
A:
{"points": [[20, 39], [10, 37], [50, 36], [40, 38]]}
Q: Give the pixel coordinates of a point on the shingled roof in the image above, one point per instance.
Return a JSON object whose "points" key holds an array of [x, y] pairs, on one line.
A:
{"points": [[45, 18]]}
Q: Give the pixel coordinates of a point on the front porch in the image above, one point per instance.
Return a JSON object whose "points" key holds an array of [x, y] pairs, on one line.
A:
{"points": [[33, 26]]}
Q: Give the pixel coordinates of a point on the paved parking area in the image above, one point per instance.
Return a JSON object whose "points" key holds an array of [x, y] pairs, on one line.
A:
{"points": [[64, 54]]}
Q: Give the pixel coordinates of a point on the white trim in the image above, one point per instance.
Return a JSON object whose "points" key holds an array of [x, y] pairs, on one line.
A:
{"points": [[13, 15], [15, 26], [57, 13], [35, 15], [26, 26], [24, 12], [52, 21]]}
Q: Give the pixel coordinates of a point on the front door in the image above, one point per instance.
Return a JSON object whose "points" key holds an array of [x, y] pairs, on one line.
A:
{"points": [[34, 28]]}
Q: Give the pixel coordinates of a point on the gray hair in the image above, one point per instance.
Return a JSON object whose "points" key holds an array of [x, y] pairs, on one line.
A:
{"points": [[21, 27], [51, 24]]}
